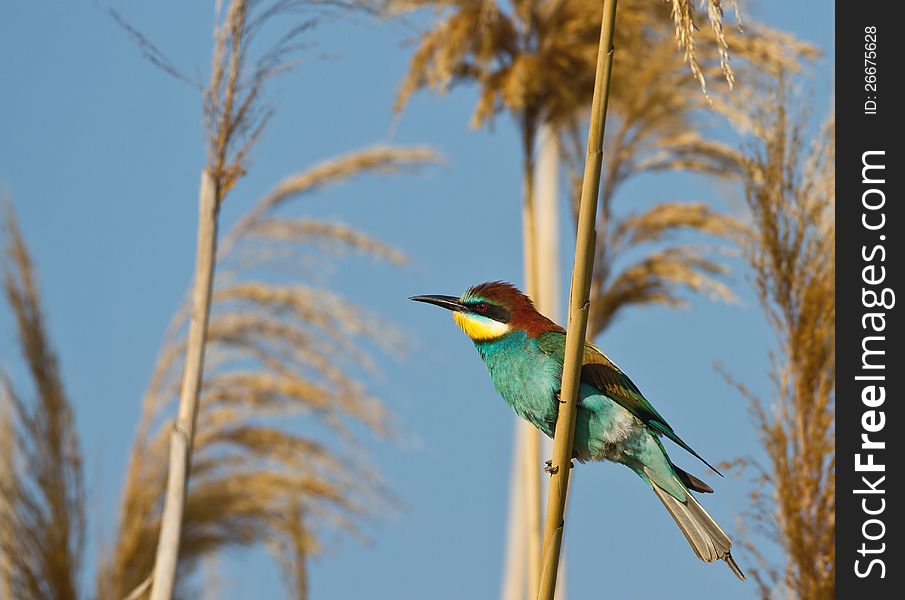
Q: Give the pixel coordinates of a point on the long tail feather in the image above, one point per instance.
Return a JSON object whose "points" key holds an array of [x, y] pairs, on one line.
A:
{"points": [[706, 537], [692, 482]]}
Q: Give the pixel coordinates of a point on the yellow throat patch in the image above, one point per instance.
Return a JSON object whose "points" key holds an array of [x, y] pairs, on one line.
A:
{"points": [[478, 328]]}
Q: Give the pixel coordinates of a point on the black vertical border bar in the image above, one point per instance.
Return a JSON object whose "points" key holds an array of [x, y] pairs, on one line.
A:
{"points": [[863, 256]]}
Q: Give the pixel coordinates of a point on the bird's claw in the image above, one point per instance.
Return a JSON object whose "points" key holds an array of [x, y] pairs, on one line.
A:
{"points": [[553, 470]]}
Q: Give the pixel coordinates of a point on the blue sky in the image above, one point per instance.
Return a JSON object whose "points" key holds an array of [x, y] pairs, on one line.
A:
{"points": [[101, 154]]}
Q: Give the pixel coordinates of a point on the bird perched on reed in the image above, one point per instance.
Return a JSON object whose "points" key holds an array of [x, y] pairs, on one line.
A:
{"points": [[524, 352]]}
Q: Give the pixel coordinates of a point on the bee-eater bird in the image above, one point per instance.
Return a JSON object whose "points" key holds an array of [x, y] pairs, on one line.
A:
{"points": [[524, 352]]}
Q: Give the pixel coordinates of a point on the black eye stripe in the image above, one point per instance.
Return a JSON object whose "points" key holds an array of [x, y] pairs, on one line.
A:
{"points": [[490, 310]]}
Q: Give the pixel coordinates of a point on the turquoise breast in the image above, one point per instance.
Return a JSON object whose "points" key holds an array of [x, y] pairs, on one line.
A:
{"points": [[526, 377], [528, 380]]}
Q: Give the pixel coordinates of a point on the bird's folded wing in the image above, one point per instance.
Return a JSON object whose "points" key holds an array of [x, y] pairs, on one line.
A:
{"points": [[601, 372], [598, 370]]}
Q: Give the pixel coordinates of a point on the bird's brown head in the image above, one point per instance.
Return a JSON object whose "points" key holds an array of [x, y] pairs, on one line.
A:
{"points": [[489, 311]]}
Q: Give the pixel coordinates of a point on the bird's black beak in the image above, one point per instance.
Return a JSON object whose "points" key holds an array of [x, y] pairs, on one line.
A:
{"points": [[448, 302]]}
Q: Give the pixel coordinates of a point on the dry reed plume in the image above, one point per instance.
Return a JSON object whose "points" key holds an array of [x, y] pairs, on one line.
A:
{"points": [[276, 354], [790, 191], [42, 505], [285, 399], [537, 57], [235, 119], [535, 60], [660, 122]]}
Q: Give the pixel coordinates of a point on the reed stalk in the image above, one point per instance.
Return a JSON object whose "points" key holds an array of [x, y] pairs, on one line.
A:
{"points": [[532, 459], [183, 432], [234, 121], [548, 269], [515, 554], [578, 310], [548, 222]]}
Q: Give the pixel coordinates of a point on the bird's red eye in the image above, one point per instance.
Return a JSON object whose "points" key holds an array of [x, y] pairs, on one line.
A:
{"points": [[481, 307]]}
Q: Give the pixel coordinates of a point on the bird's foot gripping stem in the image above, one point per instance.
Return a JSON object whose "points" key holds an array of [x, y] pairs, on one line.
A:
{"points": [[553, 470]]}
